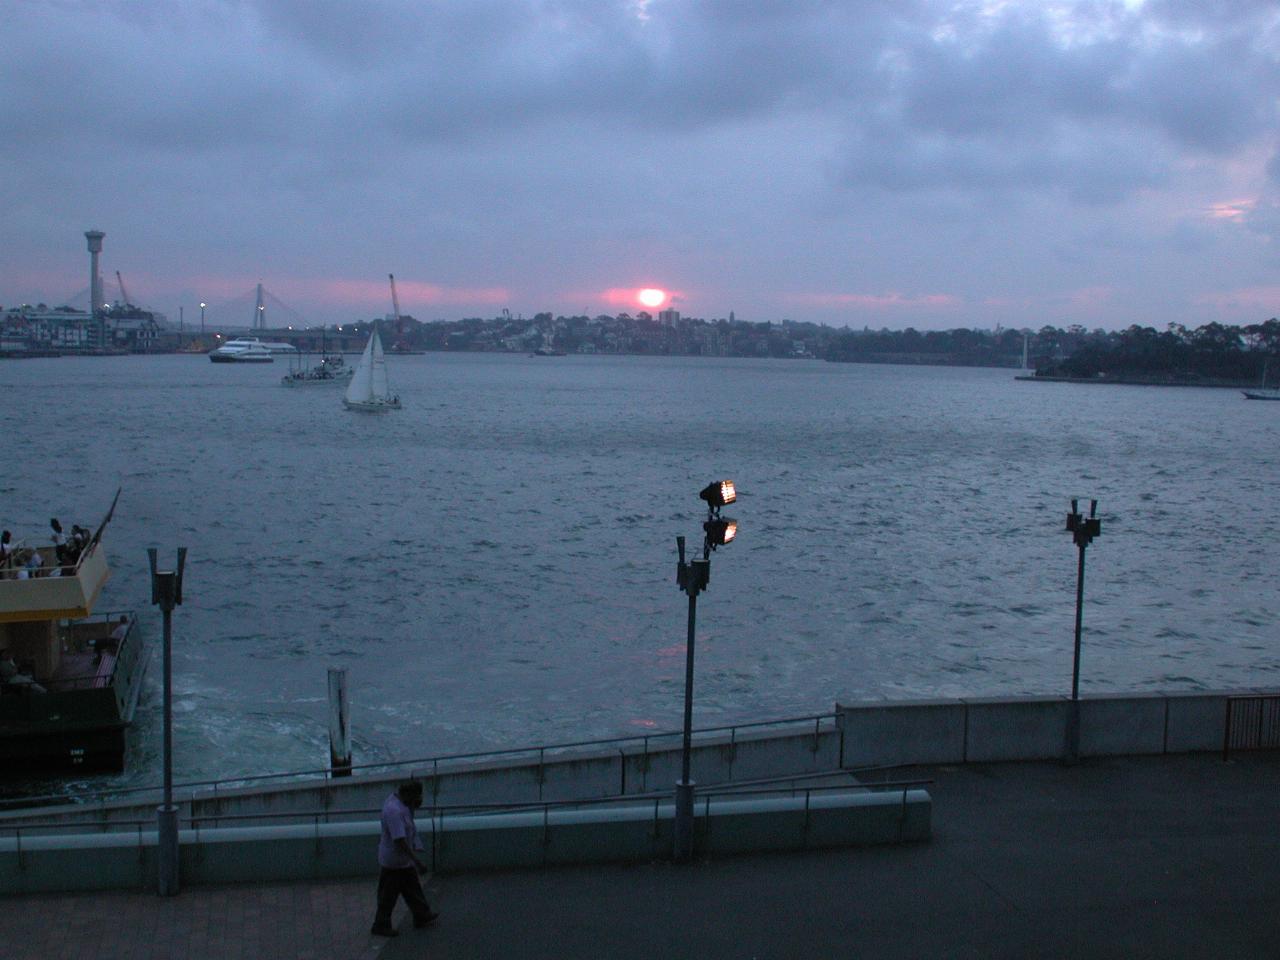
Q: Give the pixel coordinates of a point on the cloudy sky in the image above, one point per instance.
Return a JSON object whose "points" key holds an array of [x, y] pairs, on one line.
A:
{"points": [[868, 162]]}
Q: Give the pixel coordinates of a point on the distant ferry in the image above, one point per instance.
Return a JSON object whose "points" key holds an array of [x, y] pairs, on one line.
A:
{"points": [[249, 350]]}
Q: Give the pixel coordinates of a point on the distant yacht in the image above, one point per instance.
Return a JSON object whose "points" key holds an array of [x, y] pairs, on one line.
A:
{"points": [[368, 389], [1263, 392]]}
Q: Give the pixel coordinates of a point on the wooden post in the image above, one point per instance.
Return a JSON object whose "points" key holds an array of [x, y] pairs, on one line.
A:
{"points": [[339, 724]]}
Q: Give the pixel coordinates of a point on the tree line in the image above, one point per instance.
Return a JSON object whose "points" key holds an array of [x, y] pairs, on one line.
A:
{"points": [[1213, 352]]}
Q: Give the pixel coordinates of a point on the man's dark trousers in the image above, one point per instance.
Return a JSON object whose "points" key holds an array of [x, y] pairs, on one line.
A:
{"points": [[395, 883]]}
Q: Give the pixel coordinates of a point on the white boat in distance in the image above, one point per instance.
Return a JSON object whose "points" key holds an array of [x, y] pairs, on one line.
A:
{"points": [[368, 390], [249, 350]]}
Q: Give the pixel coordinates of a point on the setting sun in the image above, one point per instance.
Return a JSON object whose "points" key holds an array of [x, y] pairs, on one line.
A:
{"points": [[651, 297]]}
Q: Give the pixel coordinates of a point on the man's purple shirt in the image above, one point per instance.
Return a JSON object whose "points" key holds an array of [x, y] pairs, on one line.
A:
{"points": [[397, 824]]}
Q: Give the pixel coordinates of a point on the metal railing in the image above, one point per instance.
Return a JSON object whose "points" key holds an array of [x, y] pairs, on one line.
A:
{"points": [[419, 765], [47, 552], [1253, 723], [436, 813]]}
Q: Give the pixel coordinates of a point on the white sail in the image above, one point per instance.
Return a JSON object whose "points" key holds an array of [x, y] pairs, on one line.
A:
{"points": [[360, 389], [368, 389], [379, 387]]}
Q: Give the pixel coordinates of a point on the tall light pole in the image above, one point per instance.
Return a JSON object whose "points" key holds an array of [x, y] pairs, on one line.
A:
{"points": [[692, 577], [1082, 530], [166, 592], [202, 306]]}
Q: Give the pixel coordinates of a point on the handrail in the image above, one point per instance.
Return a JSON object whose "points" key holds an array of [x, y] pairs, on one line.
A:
{"points": [[457, 809], [325, 773], [511, 805]]}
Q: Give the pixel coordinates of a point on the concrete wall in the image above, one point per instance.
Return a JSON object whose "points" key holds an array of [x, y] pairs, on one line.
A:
{"points": [[879, 733], [525, 778], [635, 832]]}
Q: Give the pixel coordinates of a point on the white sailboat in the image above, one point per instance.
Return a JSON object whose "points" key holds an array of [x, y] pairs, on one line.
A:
{"points": [[368, 389]]}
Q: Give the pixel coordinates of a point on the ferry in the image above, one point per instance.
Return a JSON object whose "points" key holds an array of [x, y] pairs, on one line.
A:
{"points": [[249, 350], [69, 677]]}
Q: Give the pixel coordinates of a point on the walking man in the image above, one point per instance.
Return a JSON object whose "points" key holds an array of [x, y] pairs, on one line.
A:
{"points": [[400, 865]]}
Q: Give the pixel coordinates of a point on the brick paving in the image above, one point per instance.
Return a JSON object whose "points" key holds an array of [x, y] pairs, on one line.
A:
{"points": [[282, 921]]}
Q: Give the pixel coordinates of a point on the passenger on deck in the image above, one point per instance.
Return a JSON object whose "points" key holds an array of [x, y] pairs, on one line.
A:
{"points": [[11, 676], [6, 550], [59, 541], [112, 643], [75, 546], [29, 564]]}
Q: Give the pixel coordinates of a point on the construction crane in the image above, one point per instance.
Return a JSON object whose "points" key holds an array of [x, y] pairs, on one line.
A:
{"points": [[124, 296]]}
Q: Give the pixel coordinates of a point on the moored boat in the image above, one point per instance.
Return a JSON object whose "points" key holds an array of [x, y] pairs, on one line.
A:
{"points": [[331, 369], [1263, 392], [69, 678]]}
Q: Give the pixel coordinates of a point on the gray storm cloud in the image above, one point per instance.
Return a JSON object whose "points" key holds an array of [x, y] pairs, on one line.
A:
{"points": [[322, 137]]}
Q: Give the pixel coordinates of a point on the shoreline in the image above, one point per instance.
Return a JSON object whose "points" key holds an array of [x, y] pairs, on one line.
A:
{"points": [[1131, 382]]}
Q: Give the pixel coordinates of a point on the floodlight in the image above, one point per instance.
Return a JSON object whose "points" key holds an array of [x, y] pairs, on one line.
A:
{"points": [[720, 531], [719, 494]]}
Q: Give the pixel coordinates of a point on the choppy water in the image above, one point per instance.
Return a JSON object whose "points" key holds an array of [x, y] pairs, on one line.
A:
{"points": [[495, 564]]}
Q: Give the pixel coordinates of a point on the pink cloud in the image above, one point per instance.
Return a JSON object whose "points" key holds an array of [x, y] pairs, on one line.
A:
{"points": [[1266, 298], [1233, 211], [363, 292], [1090, 296], [877, 301], [627, 298]]}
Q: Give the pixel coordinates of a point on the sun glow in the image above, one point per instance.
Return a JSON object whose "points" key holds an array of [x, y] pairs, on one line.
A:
{"points": [[651, 297]]}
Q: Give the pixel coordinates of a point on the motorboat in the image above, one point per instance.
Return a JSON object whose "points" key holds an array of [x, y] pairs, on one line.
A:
{"points": [[330, 369]]}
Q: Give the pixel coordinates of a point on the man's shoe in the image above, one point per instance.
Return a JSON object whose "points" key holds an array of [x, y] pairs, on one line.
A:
{"points": [[426, 921], [378, 931]]}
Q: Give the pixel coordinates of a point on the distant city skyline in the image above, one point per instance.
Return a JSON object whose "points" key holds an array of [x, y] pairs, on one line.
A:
{"points": [[926, 164]]}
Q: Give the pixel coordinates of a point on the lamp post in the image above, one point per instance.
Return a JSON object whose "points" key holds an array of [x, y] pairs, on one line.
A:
{"points": [[1082, 530], [692, 577], [166, 592], [202, 306]]}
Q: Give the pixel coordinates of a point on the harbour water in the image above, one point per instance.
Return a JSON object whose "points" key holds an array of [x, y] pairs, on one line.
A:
{"points": [[495, 564]]}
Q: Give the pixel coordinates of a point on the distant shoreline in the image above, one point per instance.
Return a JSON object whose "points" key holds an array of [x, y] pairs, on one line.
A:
{"points": [[1133, 382]]}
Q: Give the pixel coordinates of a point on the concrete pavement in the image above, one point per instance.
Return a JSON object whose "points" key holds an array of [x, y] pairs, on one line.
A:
{"points": [[1164, 857], [1169, 857]]}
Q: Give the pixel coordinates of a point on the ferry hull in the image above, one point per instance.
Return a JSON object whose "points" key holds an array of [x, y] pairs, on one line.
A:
{"points": [[228, 358], [99, 750]]}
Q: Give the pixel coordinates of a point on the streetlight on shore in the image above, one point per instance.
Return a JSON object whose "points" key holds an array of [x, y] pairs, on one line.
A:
{"points": [[202, 306], [166, 592], [692, 577], [1082, 530]]}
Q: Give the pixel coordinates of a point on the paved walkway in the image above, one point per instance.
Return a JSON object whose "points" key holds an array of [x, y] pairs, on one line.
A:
{"points": [[1165, 857], [1129, 858], [306, 921]]}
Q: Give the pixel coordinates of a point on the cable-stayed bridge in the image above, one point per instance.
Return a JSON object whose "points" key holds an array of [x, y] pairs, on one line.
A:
{"points": [[255, 309]]}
